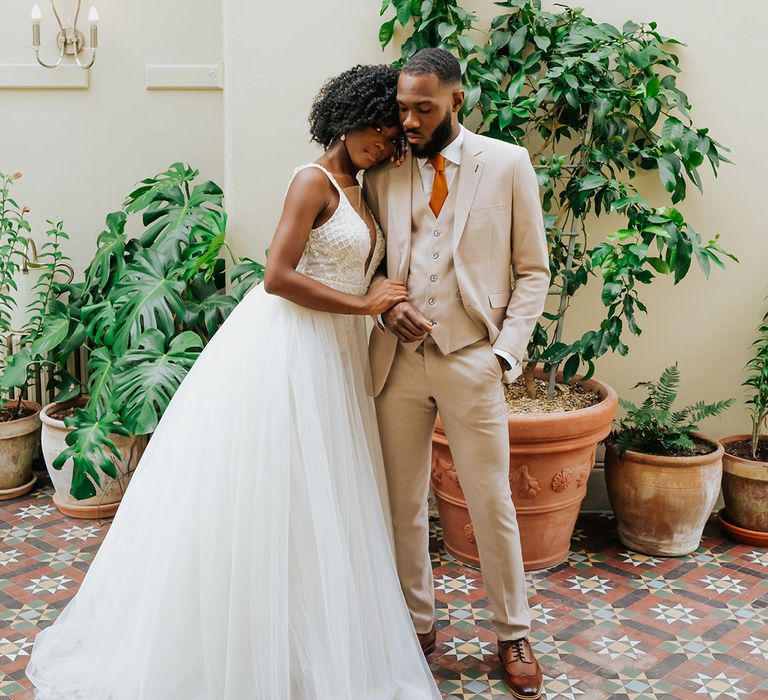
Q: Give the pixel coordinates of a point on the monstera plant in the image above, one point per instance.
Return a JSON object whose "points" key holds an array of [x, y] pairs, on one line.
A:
{"points": [[147, 306], [595, 105]]}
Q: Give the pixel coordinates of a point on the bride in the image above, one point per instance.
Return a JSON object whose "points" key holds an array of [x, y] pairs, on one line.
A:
{"points": [[250, 558]]}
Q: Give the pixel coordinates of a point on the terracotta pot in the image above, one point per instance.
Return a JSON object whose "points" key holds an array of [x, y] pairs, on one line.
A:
{"points": [[104, 504], [550, 458], [19, 440], [662, 503], [745, 488]]}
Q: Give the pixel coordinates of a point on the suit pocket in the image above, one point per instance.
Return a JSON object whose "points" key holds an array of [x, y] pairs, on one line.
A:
{"points": [[499, 300]]}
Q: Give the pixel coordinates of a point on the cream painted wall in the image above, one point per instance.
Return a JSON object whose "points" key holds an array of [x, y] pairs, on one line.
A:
{"points": [[276, 61], [274, 69], [81, 151]]}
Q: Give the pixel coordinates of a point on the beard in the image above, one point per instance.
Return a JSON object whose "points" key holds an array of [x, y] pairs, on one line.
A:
{"points": [[440, 138]]}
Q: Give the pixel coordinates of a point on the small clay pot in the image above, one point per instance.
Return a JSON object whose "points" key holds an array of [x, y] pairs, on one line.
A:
{"points": [[19, 441], [662, 503], [745, 488]]}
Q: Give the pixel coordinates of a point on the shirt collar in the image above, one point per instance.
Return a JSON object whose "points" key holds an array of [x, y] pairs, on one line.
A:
{"points": [[452, 152]]}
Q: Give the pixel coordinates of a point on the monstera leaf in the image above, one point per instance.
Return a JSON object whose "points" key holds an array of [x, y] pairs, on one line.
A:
{"points": [[91, 450], [16, 372], [149, 297], [107, 264], [207, 239], [101, 367], [244, 275], [171, 211], [150, 376], [206, 307]]}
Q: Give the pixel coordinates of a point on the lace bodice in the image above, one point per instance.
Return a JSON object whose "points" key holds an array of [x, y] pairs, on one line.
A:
{"points": [[337, 251]]}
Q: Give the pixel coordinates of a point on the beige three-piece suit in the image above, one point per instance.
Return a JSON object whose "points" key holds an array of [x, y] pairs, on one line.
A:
{"points": [[459, 268]]}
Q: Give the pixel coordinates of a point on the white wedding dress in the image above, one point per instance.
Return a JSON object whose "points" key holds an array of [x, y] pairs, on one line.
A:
{"points": [[250, 558]]}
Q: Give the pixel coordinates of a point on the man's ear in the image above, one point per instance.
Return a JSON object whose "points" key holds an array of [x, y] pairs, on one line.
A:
{"points": [[458, 100]]}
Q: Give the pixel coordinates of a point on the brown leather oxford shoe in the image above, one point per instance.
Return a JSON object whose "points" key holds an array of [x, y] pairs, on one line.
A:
{"points": [[428, 641], [521, 670]]}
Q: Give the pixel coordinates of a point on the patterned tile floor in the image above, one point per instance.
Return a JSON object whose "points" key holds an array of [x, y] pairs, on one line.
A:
{"points": [[608, 623]]}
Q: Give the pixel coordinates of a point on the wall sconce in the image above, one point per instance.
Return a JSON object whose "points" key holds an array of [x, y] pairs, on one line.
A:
{"points": [[71, 41]]}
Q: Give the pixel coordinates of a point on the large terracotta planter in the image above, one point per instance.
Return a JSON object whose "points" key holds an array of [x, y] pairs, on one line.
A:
{"points": [[662, 503], [19, 440], [550, 458], [104, 504], [745, 488]]}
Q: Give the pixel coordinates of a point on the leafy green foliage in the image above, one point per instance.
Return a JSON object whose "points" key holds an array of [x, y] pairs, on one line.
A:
{"points": [[146, 308], [595, 105], [18, 369], [758, 385], [654, 427]]}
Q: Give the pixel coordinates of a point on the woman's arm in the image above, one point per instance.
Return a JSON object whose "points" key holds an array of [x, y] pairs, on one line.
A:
{"points": [[311, 197]]}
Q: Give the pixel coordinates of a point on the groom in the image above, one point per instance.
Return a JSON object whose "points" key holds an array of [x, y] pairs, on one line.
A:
{"points": [[459, 214]]}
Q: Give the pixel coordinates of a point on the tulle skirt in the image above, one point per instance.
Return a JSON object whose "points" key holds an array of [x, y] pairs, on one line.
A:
{"points": [[250, 558]]}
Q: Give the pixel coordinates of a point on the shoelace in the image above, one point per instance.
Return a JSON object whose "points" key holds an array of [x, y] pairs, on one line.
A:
{"points": [[519, 649]]}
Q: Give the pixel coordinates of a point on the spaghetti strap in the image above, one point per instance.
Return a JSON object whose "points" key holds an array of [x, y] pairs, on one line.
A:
{"points": [[327, 172]]}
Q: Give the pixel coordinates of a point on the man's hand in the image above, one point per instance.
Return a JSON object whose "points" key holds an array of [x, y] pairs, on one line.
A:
{"points": [[407, 322]]}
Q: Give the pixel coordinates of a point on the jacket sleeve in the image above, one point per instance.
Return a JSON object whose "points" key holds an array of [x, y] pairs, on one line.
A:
{"points": [[530, 261]]}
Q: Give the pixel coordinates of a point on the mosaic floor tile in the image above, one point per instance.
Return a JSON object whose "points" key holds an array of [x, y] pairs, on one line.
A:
{"points": [[607, 623]]}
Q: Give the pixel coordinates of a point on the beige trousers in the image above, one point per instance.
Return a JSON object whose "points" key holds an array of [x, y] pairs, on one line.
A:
{"points": [[465, 388]]}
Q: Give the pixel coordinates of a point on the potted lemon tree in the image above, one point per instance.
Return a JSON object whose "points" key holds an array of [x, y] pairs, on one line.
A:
{"points": [[595, 105]]}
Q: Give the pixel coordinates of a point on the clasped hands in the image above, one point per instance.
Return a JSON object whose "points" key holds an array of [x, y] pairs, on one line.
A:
{"points": [[406, 321]]}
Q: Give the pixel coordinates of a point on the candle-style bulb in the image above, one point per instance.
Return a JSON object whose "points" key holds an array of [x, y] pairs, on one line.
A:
{"points": [[36, 15], [93, 16]]}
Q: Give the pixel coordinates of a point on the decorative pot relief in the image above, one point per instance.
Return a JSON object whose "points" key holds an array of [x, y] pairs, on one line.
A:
{"points": [[581, 479], [561, 480], [442, 467], [437, 472], [527, 485], [469, 531]]}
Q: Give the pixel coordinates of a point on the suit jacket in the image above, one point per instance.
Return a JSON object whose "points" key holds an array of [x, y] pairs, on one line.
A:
{"points": [[498, 241]]}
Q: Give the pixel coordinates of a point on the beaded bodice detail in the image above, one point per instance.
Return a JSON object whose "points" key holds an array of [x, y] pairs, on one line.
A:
{"points": [[337, 251]]}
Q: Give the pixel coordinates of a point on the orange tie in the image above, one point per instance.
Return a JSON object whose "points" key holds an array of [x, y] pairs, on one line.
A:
{"points": [[439, 185]]}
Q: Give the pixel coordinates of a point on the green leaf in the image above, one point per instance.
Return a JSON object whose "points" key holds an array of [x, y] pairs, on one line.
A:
{"points": [[92, 451], [667, 174], [17, 369], [592, 182], [652, 86], [517, 41], [570, 368], [107, 264], [149, 376], [515, 85], [472, 98], [149, 297], [611, 290]]}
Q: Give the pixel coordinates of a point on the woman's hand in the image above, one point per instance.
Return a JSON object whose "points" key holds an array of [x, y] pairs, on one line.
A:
{"points": [[401, 148], [383, 294]]}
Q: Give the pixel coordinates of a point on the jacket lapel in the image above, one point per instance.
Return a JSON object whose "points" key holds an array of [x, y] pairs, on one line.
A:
{"points": [[468, 180], [399, 207]]}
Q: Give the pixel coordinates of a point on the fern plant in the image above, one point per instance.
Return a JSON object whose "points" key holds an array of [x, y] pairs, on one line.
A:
{"points": [[758, 382], [654, 427]]}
